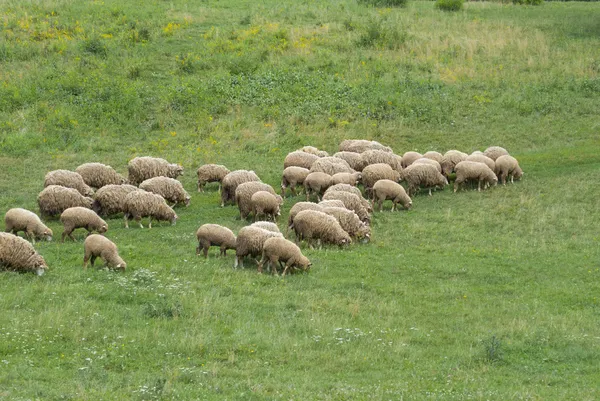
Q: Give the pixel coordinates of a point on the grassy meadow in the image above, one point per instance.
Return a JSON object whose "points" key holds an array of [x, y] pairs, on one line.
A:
{"points": [[485, 296]]}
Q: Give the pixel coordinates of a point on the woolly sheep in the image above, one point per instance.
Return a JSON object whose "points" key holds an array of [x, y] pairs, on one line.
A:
{"points": [[480, 158], [299, 207], [380, 156], [18, 219], [291, 177], [388, 189], [213, 234], [352, 202], [316, 183], [250, 241], [506, 166], [422, 175], [140, 204], [55, 199], [354, 160], [409, 157], [98, 175], [331, 166], [110, 199], [300, 159], [361, 145], [375, 172], [346, 178], [474, 171], [280, 250], [243, 196], [353, 190], [450, 159], [142, 168], [169, 188], [433, 155], [494, 152], [350, 222], [331, 203], [19, 255], [265, 203], [314, 225], [266, 225], [80, 217], [211, 173], [424, 160], [314, 151], [69, 179], [96, 246], [231, 181]]}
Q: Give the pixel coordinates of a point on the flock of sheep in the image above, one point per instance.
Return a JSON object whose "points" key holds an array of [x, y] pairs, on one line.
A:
{"points": [[341, 215]]}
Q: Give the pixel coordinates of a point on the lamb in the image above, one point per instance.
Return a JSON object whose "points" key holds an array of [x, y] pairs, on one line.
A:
{"points": [[409, 157], [55, 199], [506, 166], [450, 159], [424, 160], [354, 160], [331, 203], [380, 156], [250, 241], [243, 196], [142, 168], [297, 208], [110, 199], [265, 203], [388, 189], [266, 225], [80, 217], [140, 204], [18, 219], [494, 152], [331, 166], [375, 172], [280, 250], [300, 159], [213, 234], [168, 188], [98, 175], [422, 175], [312, 224], [314, 151], [361, 145], [350, 222], [317, 183], [69, 179], [433, 155], [481, 158], [96, 246], [211, 173], [352, 202], [346, 178], [19, 255], [474, 171], [353, 190], [291, 177], [231, 181]]}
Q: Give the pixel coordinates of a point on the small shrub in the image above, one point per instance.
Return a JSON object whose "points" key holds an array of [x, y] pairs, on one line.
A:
{"points": [[528, 2], [376, 34], [94, 46], [493, 352], [449, 5], [384, 3]]}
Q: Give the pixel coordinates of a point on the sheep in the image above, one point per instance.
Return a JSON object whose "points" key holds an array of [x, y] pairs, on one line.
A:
{"points": [[266, 225], [19, 255], [346, 178], [450, 159], [300, 159], [331, 203], [494, 152], [213, 234], [352, 202], [211, 173], [352, 189], [142, 168], [314, 151], [361, 145], [388, 189], [354, 160], [18, 219], [350, 222], [375, 172], [380, 156], [425, 160], [98, 175], [409, 157], [96, 246], [140, 204], [312, 224], [433, 155], [266, 203], [55, 199], [169, 188], [280, 250], [331, 166], [69, 179], [481, 158], [297, 208], [474, 171], [249, 242], [231, 181], [243, 196], [291, 177], [317, 183], [80, 217], [507, 165], [110, 199], [422, 175]]}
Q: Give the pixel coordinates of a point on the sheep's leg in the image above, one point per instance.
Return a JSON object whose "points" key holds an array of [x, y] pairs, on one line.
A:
{"points": [[71, 236], [479, 186], [126, 221], [512, 179], [205, 251], [62, 237], [198, 250], [393, 206], [93, 260], [430, 192], [86, 258], [236, 261], [261, 263]]}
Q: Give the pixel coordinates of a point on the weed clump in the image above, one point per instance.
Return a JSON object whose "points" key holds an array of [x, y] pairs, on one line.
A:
{"points": [[377, 34], [492, 348], [449, 5], [384, 3], [528, 2], [94, 46]]}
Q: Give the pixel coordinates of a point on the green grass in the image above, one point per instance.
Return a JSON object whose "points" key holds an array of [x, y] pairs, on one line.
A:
{"points": [[490, 295]]}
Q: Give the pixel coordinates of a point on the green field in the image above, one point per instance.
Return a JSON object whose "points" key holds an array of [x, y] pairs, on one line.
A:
{"points": [[485, 296]]}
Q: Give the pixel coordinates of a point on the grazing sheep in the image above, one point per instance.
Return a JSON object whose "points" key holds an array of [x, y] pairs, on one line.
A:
{"points": [[433, 155], [169, 188], [331, 203], [299, 207], [314, 151], [350, 223], [380, 156], [140, 204], [352, 202], [375, 172], [424, 160], [450, 159], [494, 152], [506, 166], [98, 175], [474, 171], [18, 219], [291, 177], [250, 241], [110, 199], [80, 217], [354, 160], [55, 199], [388, 189], [316, 183], [142, 168], [96, 246], [265, 203], [361, 145], [312, 224], [243, 196], [353, 190], [213, 234], [69, 179], [231, 181], [422, 175], [266, 225], [331, 166], [19, 255], [346, 178], [280, 250], [211, 173], [476, 152], [409, 157], [480, 158], [299, 159]]}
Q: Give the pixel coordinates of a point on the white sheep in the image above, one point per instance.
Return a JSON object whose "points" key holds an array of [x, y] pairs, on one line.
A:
{"points": [[375, 172], [433, 155], [266, 225], [279, 250], [425, 160], [231, 181], [312, 225], [423, 175], [69, 179], [55, 199], [331, 166], [388, 189], [350, 222], [211, 173], [18, 219], [169, 188], [347, 178], [331, 203], [243, 196], [467, 170], [353, 190], [380, 156], [110, 199], [352, 202], [19, 255], [354, 160], [299, 159], [80, 217], [494, 152], [140, 204], [450, 159], [98, 246], [508, 166], [361, 145], [250, 241], [409, 157], [481, 158], [142, 168], [297, 208], [98, 175], [314, 151], [316, 183], [267, 204], [291, 177], [214, 235]]}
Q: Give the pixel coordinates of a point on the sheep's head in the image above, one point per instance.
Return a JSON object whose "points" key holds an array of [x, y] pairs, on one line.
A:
{"points": [[121, 265], [305, 264], [187, 200], [46, 234], [407, 205], [364, 232], [88, 191], [89, 202], [103, 228], [38, 264], [279, 200], [174, 219], [517, 173], [176, 170]]}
